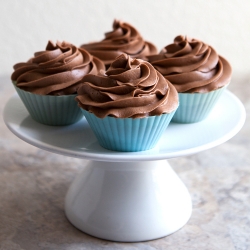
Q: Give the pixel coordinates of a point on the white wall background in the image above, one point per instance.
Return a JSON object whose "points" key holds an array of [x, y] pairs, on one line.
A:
{"points": [[27, 25]]}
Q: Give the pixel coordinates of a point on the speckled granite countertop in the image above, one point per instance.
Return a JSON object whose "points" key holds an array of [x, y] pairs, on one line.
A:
{"points": [[33, 184]]}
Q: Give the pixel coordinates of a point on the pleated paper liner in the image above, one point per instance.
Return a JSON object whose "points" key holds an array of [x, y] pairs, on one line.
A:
{"points": [[195, 107], [51, 110], [128, 134]]}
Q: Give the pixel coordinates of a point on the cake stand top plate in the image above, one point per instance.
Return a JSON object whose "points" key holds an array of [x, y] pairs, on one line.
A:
{"points": [[79, 141]]}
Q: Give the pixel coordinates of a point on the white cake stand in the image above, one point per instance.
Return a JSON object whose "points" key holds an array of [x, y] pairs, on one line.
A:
{"points": [[128, 197]]}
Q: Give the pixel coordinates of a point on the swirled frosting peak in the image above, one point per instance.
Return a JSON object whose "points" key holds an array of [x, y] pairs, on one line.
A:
{"points": [[55, 71], [123, 39], [192, 66], [130, 88]]}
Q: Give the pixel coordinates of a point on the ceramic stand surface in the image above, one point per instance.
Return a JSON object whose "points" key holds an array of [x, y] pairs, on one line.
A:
{"points": [[128, 201], [123, 196]]}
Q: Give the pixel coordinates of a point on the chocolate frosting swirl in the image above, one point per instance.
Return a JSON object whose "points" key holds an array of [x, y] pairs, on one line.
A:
{"points": [[192, 66], [123, 39], [130, 88], [55, 71]]}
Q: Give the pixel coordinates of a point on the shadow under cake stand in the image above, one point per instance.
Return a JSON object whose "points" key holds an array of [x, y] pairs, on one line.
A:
{"points": [[124, 196]]}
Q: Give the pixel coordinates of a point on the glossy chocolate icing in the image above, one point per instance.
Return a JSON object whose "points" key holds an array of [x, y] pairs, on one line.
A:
{"points": [[123, 39], [192, 66], [55, 71], [129, 88]]}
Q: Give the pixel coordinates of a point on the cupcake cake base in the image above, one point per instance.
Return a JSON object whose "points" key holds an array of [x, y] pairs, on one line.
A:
{"points": [[195, 107], [128, 134], [51, 110]]}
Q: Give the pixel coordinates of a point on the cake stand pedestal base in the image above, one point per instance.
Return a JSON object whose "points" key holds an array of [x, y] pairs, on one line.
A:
{"points": [[128, 197], [128, 201]]}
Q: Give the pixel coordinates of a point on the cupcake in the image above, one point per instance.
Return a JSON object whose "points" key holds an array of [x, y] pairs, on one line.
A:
{"points": [[128, 107], [47, 83], [198, 73], [124, 38]]}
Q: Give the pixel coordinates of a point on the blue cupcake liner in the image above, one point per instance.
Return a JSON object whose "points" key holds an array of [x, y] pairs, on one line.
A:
{"points": [[51, 110], [195, 107], [128, 134]]}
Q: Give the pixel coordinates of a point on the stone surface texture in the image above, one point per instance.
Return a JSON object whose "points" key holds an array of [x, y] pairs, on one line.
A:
{"points": [[33, 184]]}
